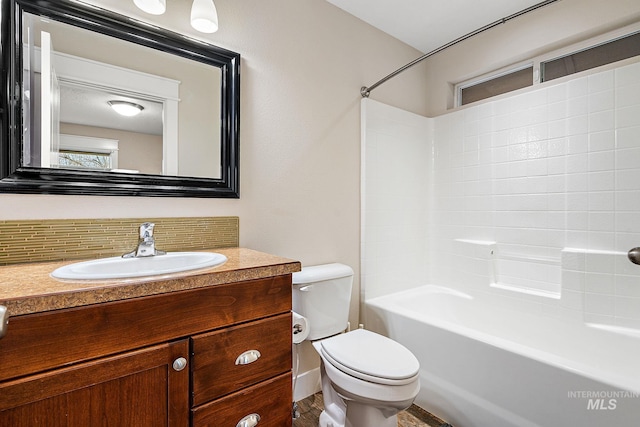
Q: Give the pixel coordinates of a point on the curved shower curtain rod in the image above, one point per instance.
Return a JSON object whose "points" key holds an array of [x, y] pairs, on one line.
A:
{"points": [[366, 90]]}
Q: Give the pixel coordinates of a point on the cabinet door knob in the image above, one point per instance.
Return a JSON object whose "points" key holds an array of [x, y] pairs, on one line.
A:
{"points": [[4, 320], [249, 421], [179, 364], [247, 357]]}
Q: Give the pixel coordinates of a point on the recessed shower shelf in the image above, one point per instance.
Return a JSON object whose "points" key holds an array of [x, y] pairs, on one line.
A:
{"points": [[534, 259], [528, 291], [531, 274]]}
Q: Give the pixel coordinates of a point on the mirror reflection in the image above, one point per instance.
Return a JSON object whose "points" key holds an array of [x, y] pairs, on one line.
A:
{"points": [[76, 81]]}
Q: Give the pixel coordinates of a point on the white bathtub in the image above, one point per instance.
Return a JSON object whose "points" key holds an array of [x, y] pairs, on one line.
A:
{"points": [[488, 367]]}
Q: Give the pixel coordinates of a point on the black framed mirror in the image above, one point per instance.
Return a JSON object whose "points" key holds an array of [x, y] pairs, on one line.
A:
{"points": [[48, 150]]}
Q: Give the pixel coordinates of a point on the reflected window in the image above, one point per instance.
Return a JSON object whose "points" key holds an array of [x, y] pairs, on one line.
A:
{"points": [[83, 152], [80, 160]]}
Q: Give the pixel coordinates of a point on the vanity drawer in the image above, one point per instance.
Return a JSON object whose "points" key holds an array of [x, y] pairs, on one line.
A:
{"points": [[217, 366], [270, 400]]}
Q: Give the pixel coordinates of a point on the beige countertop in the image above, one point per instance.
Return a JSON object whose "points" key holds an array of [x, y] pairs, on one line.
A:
{"points": [[29, 288]]}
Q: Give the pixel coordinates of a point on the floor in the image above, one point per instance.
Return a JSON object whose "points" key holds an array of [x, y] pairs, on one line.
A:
{"points": [[311, 407]]}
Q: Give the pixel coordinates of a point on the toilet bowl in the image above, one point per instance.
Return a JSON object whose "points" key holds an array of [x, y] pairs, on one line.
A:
{"points": [[366, 378]]}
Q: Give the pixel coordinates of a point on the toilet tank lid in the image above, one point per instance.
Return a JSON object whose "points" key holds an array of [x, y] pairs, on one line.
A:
{"points": [[318, 273]]}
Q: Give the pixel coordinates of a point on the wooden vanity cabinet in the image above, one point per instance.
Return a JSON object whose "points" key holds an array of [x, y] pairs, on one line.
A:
{"points": [[242, 371], [138, 388], [162, 360]]}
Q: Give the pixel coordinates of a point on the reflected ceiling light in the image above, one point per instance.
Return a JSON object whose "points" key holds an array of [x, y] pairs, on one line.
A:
{"points": [[204, 16], [126, 108], [154, 7]]}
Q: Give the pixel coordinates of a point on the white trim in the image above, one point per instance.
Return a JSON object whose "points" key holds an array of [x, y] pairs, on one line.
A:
{"points": [[88, 143], [102, 75], [170, 133], [46, 116]]}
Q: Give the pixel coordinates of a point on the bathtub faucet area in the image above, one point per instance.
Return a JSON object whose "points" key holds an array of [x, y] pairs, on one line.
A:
{"points": [[634, 255]]}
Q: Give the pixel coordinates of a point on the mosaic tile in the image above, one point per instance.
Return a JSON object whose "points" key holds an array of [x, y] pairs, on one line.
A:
{"points": [[68, 239]]}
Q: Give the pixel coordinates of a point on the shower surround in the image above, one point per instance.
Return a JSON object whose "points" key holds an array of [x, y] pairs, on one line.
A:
{"points": [[529, 201]]}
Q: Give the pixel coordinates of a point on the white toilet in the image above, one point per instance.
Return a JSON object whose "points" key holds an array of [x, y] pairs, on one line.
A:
{"points": [[366, 378]]}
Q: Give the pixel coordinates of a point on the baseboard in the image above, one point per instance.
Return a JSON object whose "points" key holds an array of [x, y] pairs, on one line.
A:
{"points": [[308, 383]]}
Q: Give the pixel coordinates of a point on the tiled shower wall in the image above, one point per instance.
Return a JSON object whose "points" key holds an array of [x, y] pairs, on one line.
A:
{"points": [[523, 184], [542, 174]]}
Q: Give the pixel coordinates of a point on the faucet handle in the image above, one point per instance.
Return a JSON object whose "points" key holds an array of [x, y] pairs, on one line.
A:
{"points": [[146, 230], [634, 255], [146, 244]]}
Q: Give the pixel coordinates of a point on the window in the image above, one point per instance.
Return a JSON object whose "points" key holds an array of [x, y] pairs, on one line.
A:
{"points": [[618, 45], [605, 53], [84, 152], [80, 160], [496, 85]]}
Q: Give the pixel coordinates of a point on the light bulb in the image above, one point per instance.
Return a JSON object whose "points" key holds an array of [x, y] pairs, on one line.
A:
{"points": [[204, 16], [154, 7]]}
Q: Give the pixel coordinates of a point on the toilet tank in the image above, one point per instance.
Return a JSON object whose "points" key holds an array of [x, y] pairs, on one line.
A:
{"points": [[322, 294]]}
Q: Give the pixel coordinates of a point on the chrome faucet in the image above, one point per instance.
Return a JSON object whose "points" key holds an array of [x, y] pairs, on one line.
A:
{"points": [[146, 243]]}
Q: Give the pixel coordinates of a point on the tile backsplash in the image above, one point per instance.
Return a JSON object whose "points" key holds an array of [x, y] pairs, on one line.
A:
{"points": [[53, 240]]}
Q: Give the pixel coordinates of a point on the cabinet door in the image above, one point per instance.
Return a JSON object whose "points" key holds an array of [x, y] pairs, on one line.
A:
{"points": [[140, 388]]}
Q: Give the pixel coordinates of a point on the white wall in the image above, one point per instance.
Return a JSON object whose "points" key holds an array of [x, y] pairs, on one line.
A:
{"points": [[396, 181]]}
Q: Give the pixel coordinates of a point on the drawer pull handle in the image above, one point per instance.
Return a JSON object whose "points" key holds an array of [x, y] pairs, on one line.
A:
{"points": [[4, 320], [247, 357], [249, 421]]}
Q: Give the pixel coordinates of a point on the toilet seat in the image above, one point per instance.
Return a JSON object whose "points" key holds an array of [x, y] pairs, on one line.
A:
{"points": [[371, 357]]}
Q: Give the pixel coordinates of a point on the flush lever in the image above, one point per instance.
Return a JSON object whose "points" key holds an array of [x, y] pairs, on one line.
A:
{"points": [[634, 255], [4, 320]]}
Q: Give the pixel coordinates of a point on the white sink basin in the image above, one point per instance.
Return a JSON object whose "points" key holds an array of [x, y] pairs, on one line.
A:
{"points": [[120, 268]]}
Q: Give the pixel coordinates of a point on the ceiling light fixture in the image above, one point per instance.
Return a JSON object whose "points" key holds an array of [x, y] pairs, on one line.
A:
{"points": [[126, 108], [204, 16], [154, 7]]}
